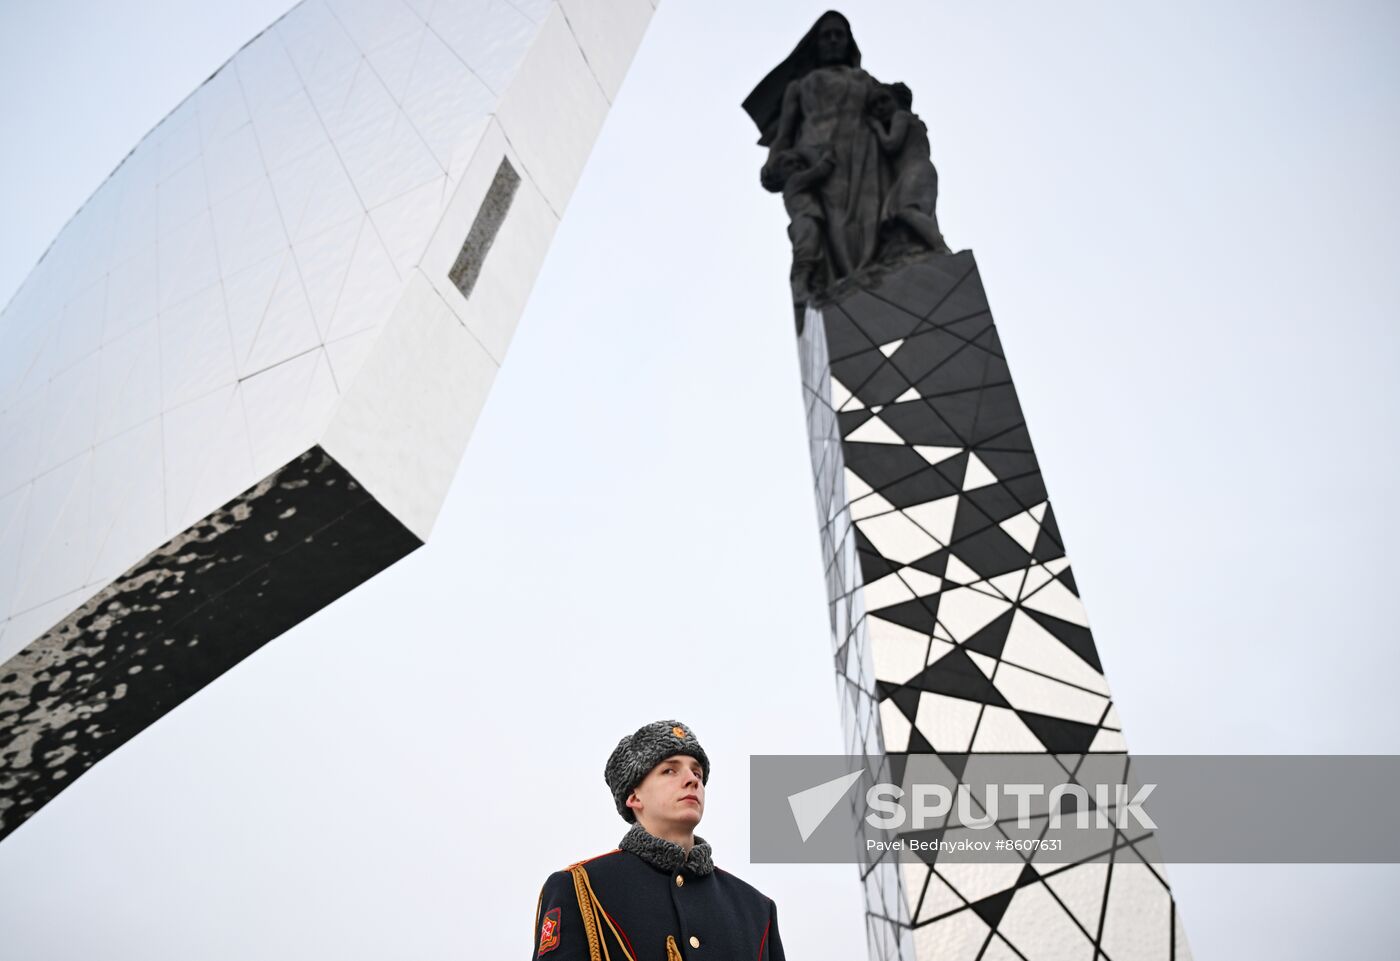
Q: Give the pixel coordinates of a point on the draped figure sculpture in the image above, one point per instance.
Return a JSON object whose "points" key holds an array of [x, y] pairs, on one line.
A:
{"points": [[847, 164]]}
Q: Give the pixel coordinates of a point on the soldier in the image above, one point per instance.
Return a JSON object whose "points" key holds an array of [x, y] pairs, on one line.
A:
{"points": [[659, 896]]}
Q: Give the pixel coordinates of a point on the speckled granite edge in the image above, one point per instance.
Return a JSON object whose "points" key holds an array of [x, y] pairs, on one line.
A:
{"points": [[186, 613]]}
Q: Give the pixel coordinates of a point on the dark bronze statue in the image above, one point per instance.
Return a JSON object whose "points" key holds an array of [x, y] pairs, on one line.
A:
{"points": [[850, 158]]}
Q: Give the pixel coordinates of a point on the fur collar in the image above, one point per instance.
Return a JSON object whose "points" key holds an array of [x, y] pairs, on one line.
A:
{"points": [[667, 855]]}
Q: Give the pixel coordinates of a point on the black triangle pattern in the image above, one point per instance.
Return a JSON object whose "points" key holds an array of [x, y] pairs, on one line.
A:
{"points": [[956, 620]]}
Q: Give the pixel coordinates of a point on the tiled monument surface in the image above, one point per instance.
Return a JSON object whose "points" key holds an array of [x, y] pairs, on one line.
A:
{"points": [[957, 626], [241, 378]]}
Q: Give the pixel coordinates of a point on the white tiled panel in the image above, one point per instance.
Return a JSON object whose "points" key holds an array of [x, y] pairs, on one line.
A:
{"points": [[267, 270]]}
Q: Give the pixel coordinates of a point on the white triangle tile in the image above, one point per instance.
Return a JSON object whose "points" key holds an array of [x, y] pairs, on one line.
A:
{"points": [[1109, 742], [937, 647], [1023, 529], [921, 583], [1008, 585], [946, 722], [959, 573], [894, 727], [1037, 576], [879, 631], [885, 592], [987, 665], [870, 505], [938, 899], [875, 431], [1041, 695], [909, 395], [1138, 922], [839, 394], [897, 538], [1002, 730], [891, 347], [855, 487], [1031, 646], [1038, 511], [899, 659], [1036, 924], [977, 881], [936, 517], [964, 612], [1112, 719], [1058, 601], [998, 950], [978, 475]]}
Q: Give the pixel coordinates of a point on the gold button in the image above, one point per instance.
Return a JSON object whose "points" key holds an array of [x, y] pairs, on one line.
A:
{"points": [[680, 881], [694, 941]]}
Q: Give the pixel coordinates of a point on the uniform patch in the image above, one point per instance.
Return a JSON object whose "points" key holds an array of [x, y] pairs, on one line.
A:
{"points": [[678, 732], [549, 932]]}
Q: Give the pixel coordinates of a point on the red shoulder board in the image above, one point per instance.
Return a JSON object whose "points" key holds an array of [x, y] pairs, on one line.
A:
{"points": [[549, 932]]}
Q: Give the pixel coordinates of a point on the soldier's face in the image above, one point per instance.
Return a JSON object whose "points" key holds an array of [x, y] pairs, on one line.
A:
{"points": [[672, 793]]}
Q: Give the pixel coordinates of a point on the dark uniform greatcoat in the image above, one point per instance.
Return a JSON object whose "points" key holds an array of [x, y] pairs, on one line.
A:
{"points": [[650, 891]]}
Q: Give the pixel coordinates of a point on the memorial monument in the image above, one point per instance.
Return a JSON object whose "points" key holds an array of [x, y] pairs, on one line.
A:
{"points": [[956, 622]]}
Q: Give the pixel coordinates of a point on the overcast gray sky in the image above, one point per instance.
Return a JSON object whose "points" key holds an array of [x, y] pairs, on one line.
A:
{"points": [[1186, 218]]}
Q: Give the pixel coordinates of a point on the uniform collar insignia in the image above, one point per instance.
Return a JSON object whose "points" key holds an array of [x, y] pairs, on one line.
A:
{"points": [[667, 855]]}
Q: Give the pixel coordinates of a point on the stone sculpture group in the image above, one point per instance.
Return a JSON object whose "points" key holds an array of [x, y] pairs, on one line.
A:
{"points": [[851, 160]]}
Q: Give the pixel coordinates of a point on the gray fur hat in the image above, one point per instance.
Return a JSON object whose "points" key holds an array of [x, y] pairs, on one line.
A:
{"points": [[637, 753]]}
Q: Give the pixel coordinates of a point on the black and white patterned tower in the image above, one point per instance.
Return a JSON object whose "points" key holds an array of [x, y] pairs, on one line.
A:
{"points": [[956, 621]]}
